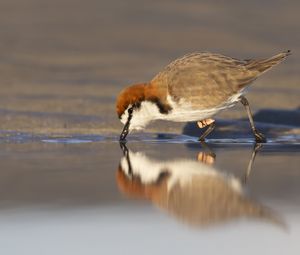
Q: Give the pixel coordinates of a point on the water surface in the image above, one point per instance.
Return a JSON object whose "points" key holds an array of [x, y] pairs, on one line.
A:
{"points": [[74, 195]]}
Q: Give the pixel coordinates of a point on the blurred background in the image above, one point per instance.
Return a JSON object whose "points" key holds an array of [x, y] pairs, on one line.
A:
{"points": [[62, 63]]}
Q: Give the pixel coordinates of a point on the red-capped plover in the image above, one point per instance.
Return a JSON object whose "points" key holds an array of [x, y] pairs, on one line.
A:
{"points": [[193, 88]]}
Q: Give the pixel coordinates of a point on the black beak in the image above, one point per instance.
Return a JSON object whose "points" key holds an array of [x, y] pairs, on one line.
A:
{"points": [[124, 149], [125, 131], [126, 155]]}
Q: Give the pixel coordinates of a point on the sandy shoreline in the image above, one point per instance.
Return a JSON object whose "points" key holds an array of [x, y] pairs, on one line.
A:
{"points": [[61, 73]]}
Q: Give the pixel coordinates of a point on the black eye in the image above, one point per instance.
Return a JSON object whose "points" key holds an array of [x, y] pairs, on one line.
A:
{"points": [[130, 110]]}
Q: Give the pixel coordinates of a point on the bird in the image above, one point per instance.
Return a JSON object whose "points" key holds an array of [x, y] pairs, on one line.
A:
{"points": [[193, 192], [194, 87]]}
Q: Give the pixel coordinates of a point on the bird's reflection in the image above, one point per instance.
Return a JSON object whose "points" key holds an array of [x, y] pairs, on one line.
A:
{"points": [[193, 192]]}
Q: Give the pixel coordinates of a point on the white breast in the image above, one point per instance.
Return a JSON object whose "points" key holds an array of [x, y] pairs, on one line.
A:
{"points": [[183, 111], [181, 170]]}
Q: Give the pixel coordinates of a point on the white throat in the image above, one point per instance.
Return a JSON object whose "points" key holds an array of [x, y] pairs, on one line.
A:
{"points": [[141, 116]]}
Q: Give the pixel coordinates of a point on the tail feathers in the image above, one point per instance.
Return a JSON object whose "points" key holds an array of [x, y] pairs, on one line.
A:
{"points": [[264, 65], [269, 216]]}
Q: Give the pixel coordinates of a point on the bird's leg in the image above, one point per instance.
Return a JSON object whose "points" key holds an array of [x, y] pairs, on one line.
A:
{"points": [[203, 123], [259, 138], [250, 164]]}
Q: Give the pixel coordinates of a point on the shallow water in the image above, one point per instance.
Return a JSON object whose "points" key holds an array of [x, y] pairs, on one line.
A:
{"points": [[77, 192]]}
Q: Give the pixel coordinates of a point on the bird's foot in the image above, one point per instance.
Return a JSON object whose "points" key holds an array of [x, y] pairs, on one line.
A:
{"points": [[206, 158], [259, 137], [205, 122], [201, 139]]}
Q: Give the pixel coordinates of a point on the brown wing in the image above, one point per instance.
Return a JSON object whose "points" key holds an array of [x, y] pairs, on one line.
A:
{"points": [[205, 79]]}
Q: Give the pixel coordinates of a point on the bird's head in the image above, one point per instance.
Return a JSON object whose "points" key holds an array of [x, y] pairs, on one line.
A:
{"points": [[129, 109], [139, 104]]}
